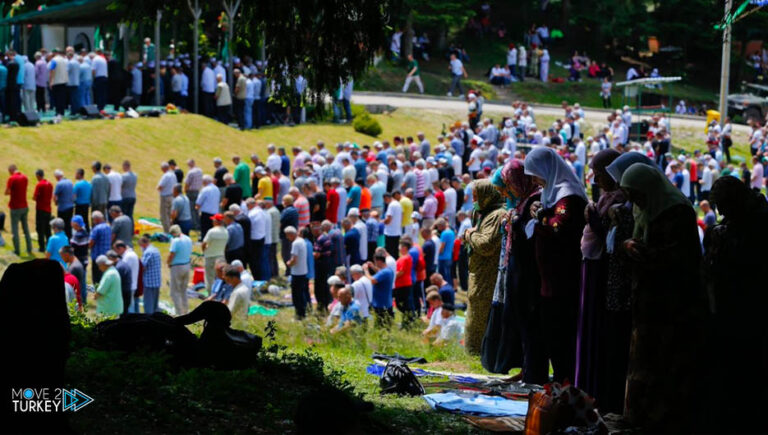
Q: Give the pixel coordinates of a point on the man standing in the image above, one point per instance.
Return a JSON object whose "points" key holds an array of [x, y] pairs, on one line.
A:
{"points": [[214, 243], [125, 278], [192, 186], [257, 237], [41, 81], [207, 204], [165, 189], [152, 274], [42, 196], [99, 189], [235, 249], [208, 88], [445, 255], [75, 267], [223, 100], [128, 189], [178, 261], [63, 196], [73, 81], [392, 224], [129, 257], [274, 230], [242, 176], [115, 187], [59, 79], [322, 259], [238, 103], [457, 71], [219, 172], [181, 214], [100, 72], [122, 225], [100, 240], [82, 195], [298, 264], [29, 87], [57, 241]]}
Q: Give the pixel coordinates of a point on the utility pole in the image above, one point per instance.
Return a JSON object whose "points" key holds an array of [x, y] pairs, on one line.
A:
{"points": [[725, 67], [196, 12], [157, 57]]}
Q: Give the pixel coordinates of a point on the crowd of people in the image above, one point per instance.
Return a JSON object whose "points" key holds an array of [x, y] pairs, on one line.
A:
{"points": [[622, 294], [65, 81]]}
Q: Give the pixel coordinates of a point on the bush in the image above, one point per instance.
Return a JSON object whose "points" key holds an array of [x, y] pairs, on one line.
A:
{"points": [[365, 124]]}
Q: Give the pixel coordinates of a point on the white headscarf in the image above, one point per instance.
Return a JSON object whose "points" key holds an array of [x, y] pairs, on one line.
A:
{"points": [[546, 164]]}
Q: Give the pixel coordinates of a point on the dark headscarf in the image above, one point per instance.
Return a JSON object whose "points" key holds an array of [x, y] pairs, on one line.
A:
{"points": [[734, 199], [488, 198], [621, 164], [600, 161]]}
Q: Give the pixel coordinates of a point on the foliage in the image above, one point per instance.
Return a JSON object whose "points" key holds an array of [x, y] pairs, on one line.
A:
{"points": [[365, 124]]}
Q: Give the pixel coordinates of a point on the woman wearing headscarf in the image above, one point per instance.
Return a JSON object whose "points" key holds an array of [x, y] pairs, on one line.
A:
{"points": [[484, 245], [669, 307], [604, 324], [556, 230], [735, 253], [522, 291], [617, 167]]}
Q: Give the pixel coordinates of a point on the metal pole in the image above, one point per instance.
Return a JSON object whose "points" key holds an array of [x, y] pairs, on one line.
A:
{"points": [[157, 57], [195, 61], [725, 67], [231, 10]]}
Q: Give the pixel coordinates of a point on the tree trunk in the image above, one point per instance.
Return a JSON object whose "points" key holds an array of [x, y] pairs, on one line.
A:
{"points": [[406, 44], [442, 40], [566, 12]]}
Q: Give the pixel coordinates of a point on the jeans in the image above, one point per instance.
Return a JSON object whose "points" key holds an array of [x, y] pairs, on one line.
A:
{"points": [[192, 196], [100, 92], [347, 109], [456, 83], [74, 99], [151, 297], [299, 286], [127, 205], [135, 304], [185, 226], [179, 281], [28, 100], [248, 113], [85, 93], [444, 268], [20, 215], [43, 228]]}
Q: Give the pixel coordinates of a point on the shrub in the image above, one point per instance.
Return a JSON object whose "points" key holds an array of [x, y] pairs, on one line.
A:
{"points": [[365, 124]]}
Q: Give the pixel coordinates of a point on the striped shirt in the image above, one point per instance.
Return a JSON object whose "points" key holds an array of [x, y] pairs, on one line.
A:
{"points": [[421, 183], [152, 267], [302, 206], [430, 207], [101, 235]]}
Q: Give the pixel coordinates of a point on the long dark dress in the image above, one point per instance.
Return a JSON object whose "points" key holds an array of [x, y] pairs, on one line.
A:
{"points": [[734, 263], [669, 326], [605, 322], [558, 256]]}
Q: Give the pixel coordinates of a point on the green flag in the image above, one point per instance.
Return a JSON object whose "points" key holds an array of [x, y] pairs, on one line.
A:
{"points": [[98, 41], [225, 52]]}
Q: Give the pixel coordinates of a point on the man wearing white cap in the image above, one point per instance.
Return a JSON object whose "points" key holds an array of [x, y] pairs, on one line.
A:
{"points": [[109, 296]]}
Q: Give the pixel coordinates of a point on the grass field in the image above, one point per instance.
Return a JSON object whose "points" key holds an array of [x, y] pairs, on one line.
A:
{"points": [[147, 142]]}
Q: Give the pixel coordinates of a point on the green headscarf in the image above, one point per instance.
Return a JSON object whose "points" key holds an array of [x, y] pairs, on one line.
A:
{"points": [[488, 198], [659, 193]]}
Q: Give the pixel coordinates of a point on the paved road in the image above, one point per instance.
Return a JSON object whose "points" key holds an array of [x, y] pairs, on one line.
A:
{"points": [[455, 104]]}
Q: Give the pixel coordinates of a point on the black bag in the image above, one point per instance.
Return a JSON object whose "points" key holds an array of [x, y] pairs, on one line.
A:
{"points": [[399, 379]]}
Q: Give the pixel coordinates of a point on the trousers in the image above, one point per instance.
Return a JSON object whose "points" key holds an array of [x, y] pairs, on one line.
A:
{"points": [[179, 281], [19, 215], [43, 228]]}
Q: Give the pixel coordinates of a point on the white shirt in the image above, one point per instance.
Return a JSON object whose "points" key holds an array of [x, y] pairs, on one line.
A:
{"points": [[274, 162], [450, 201], [132, 260], [99, 66], [392, 264], [457, 68], [456, 163], [299, 249], [395, 210], [115, 184], [475, 156], [706, 179], [512, 57], [258, 223], [239, 301], [267, 228], [581, 153], [167, 181], [436, 319], [363, 293], [363, 230]]}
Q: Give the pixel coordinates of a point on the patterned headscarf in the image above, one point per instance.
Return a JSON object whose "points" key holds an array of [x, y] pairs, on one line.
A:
{"points": [[513, 174]]}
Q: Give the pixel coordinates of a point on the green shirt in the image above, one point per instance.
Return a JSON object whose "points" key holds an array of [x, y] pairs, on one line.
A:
{"points": [[110, 301], [414, 64], [242, 176]]}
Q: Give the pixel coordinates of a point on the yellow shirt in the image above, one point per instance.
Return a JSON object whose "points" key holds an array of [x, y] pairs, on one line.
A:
{"points": [[407, 206], [265, 188]]}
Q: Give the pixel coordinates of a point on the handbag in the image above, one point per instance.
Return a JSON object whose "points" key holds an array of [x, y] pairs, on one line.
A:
{"points": [[399, 379]]}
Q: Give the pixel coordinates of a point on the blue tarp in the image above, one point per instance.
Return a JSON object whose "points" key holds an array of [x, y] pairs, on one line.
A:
{"points": [[479, 405]]}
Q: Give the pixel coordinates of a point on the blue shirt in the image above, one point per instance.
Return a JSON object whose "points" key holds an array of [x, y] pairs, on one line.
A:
{"points": [[220, 290], [350, 313], [447, 238], [377, 194], [82, 192], [285, 165], [209, 199], [414, 253], [55, 242], [354, 197], [182, 248], [86, 73], [360, 168], [428, 248], [3, 76], [352, 245], [447, 294], [310, 260], [64, 194], [579, 168], [236, 239], [382, 290], [153, 266], [101, 235]]}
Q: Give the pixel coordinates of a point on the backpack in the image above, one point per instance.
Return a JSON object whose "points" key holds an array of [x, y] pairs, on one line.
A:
{"points": [[399, 379]]}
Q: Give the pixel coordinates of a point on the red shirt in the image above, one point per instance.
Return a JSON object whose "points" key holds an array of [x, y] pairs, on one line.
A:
{"points": [[276, 190], [404, 263], [332, 206], [43, 195], [440, 197], [17, 184]]}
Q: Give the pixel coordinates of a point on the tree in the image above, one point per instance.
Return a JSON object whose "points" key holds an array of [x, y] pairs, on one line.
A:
{"points": [[439, 16]]}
